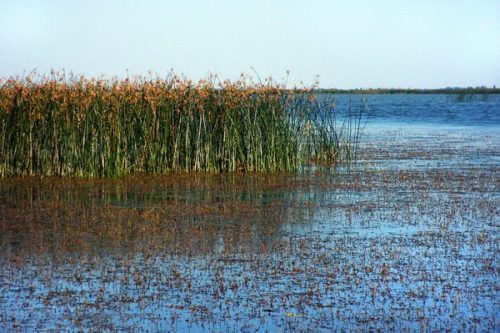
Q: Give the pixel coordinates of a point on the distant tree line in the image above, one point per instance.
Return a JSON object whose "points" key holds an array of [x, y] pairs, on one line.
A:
{"points": [[448, 90]]}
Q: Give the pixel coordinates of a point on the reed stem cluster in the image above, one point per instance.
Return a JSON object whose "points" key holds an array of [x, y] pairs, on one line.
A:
{"points": [[66, 125]]}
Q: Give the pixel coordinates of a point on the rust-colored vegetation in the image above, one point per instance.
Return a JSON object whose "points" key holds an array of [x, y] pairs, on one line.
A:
{"points": [[73, 126]]}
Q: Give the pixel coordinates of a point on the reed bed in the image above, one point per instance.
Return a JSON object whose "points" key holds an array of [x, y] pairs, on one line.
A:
{"points": [[64, 125]]}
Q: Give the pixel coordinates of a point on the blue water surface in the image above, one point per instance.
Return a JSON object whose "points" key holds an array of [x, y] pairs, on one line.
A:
{"points": [[405, 239], [426, 109]]}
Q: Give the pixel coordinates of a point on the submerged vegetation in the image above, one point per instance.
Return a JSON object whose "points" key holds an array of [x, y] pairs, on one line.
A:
{"points": [[72, 126], [405, 240], [392, 249]]}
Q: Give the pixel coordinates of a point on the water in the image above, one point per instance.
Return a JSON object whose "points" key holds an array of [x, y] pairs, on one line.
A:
{"points": [[406, 239], [435, 111]]}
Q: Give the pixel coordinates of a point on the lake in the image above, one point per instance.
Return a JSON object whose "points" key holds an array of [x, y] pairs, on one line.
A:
{"points": [[406, 239]]}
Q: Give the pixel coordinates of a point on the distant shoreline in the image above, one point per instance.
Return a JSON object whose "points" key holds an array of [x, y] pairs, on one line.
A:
{"points": [[455, 91]]}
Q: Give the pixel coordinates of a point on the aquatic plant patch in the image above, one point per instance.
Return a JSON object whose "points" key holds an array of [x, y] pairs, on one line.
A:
{"points": [[381, 250], [72, 126]]}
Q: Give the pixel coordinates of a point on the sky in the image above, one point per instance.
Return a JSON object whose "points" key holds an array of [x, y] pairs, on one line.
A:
{"points": [[346, 43]]}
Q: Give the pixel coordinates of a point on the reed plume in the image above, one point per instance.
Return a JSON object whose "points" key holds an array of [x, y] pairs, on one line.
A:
{"points": [[64, 125]]}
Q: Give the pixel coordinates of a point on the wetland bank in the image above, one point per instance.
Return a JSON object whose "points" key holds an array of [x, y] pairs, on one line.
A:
{"points": [[406, 239]]}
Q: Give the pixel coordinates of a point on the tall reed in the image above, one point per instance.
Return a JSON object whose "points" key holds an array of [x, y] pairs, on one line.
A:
{"points": [[65, 125]]}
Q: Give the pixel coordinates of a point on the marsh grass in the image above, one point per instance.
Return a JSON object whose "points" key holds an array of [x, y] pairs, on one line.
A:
{"points": [[73, 126]]}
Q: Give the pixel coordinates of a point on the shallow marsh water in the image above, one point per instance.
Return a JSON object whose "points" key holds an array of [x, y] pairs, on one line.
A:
{"points": [[408, 239]]}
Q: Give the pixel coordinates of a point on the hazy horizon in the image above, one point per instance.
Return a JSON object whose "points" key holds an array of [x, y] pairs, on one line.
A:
{"points": [[347, 44]]}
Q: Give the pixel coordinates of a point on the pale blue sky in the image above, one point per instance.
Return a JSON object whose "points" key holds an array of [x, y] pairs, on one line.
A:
{"points": [[349, 44]]}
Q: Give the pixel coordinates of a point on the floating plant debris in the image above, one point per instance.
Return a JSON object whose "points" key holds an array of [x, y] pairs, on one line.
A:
{"points": [[401, 241]]}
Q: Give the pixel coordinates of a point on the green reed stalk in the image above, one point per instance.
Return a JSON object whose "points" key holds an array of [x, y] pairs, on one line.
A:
{"points": [[68, 126]]}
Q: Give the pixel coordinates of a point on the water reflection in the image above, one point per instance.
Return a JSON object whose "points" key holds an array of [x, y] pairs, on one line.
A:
{"points": [[75, 215], [407, 239], [356, 250]]}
